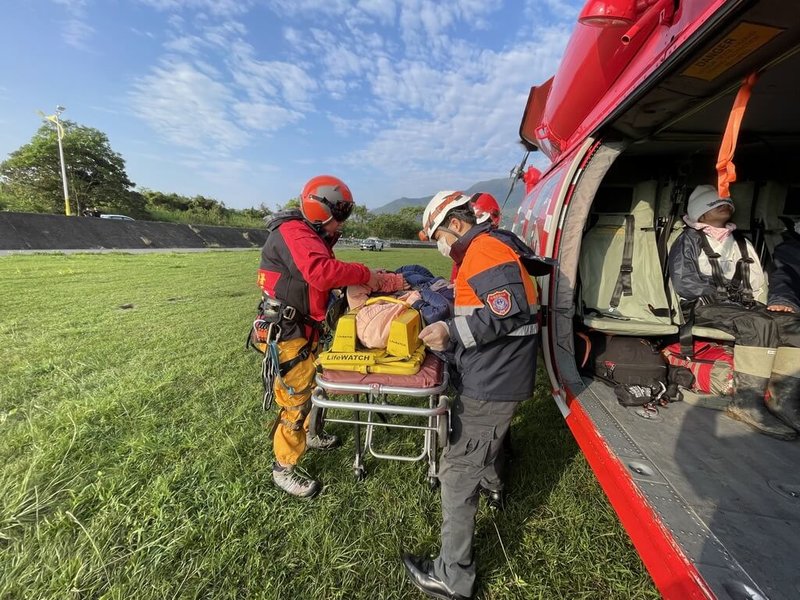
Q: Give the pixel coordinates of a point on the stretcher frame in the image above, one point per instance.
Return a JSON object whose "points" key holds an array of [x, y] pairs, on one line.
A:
{"points": [[435, 431]]}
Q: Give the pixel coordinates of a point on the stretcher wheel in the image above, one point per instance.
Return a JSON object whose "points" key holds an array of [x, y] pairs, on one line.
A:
{"points": [[360, 473], [433, 482], [443, 424]]}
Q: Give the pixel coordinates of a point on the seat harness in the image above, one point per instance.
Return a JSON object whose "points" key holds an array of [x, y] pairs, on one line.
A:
{"points": [[737, 290]]}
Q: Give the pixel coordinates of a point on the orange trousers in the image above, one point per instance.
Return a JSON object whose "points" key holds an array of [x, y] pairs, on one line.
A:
{"points": [[289, 440]]}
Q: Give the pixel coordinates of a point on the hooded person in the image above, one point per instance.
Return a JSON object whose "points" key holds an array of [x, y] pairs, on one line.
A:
{"points": [[297, 274], [493, 338], [784, 276], [716, 273]]}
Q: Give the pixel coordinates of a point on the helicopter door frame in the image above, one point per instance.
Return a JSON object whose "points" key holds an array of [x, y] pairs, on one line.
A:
{"points": [[673, 573]]}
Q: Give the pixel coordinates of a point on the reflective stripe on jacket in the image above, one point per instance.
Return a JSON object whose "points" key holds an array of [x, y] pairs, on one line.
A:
{"points": [[494, 330]]}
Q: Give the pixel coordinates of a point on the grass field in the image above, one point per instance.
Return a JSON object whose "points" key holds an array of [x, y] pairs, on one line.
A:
{"points": [[134, 461]]}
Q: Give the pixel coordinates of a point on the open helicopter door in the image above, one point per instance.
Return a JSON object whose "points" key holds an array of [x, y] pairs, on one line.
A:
{"points": [[552, 220], [538, 223]]}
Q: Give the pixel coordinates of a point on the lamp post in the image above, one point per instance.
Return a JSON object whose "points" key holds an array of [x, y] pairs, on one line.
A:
{"points": [[59, 135]]}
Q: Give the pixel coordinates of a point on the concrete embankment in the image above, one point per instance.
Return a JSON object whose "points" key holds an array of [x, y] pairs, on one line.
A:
{"points": [[29, 231]]}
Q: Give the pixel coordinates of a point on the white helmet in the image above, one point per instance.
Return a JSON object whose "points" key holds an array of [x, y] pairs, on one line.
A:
{"points": [[437, 210]]}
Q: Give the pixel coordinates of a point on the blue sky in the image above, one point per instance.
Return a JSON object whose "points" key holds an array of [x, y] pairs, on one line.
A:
{"points": [[244, 100]]}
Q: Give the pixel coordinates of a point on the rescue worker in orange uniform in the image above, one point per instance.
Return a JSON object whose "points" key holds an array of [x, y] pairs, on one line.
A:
{"points": [[298, 270], [486, 209], [493, 336]]}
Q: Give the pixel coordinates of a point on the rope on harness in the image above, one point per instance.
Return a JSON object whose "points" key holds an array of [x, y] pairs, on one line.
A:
{"points": [[270, 367], [272, 370]]}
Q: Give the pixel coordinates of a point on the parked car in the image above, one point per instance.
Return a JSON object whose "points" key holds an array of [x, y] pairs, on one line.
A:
{"points": [[372, 243], [118, 217]]}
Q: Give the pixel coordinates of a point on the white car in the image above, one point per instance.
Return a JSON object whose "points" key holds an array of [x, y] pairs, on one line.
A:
{"points": [[372, 243], [118, 217]]}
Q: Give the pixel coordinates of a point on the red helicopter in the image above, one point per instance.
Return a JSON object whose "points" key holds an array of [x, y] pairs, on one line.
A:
{"points": [[652, 98]]}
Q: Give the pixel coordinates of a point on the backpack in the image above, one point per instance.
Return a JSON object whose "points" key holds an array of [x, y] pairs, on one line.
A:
{"points": [[621, 359], [711, 364]]}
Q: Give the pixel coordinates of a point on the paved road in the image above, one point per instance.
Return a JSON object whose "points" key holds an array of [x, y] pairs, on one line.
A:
{"points": [[121, 250]]}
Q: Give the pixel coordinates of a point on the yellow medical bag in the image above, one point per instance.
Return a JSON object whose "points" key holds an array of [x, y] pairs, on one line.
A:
{"points": [[373, 361], [404, 330], [403, 355]]}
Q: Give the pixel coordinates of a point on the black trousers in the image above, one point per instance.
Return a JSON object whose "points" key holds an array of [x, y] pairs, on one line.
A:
{"points": [[751, 327], [468, 463]]}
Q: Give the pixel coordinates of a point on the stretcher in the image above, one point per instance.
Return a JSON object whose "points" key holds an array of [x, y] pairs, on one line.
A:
{"points": [[369, 408]]}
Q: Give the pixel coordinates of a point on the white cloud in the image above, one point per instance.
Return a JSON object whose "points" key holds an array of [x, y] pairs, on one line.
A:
{"points": [[410, 82], [467, 117], [382, 10], [188, 107], [265, 117], [76, 30], [186, 44], [143, 33], [273, 79], [215, 7]]}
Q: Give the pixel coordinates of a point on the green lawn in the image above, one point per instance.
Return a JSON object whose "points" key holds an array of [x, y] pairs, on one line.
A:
{"points": [[134, 461]]}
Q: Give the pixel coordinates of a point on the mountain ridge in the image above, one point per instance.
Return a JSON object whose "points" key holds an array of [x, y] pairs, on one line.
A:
{"points": [[496, 187]]}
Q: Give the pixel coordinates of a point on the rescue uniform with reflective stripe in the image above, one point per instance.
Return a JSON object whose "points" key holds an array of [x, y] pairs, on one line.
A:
{"points": [[298, 268], [495, 324], [494, 337]]}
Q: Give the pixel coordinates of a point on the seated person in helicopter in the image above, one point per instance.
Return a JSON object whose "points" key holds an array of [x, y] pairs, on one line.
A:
{"points": [[717, 275]]}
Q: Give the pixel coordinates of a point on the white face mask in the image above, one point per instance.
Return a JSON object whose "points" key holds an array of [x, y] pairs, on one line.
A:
{"points": [[443, 247]]}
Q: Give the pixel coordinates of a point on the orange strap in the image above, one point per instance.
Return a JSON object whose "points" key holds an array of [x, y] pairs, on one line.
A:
{"points": [[726, 170]]}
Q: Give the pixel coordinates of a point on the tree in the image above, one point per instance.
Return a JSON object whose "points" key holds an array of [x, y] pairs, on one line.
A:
{"points": [[95, 173], [394, 227], [412, 213], [291, 204]]}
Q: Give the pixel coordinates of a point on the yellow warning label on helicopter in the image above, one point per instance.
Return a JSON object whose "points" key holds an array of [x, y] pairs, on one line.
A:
{"points": [[745, 39]]}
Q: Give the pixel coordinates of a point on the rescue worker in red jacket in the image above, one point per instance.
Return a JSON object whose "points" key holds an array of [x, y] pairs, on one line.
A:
{"points": [[494, 339], [298, 270]]}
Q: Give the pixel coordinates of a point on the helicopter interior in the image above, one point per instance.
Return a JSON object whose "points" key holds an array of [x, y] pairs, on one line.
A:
{"points": [[729, 495]]}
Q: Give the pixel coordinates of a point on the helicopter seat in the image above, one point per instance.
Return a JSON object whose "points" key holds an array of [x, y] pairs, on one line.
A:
{"points": [[622, 290]]}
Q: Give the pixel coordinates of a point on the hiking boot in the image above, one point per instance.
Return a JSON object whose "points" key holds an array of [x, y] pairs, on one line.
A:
{"points": [[783, 399], [294, 483], [323, 441], [747, 406]]}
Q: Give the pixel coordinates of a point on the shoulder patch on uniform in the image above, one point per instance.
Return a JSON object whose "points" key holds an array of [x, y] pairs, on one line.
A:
{"points": [[499, 302]]}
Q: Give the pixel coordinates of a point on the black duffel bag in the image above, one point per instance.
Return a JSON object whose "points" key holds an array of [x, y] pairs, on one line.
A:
{"points": [[623, 361]]}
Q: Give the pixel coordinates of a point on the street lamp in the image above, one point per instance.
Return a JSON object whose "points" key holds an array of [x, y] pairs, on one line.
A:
{"points": [[60, 135]]}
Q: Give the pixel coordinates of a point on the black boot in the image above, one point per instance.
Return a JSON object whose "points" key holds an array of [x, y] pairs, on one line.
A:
{"points": [[783, 400], [747, 406], [495, 498]]}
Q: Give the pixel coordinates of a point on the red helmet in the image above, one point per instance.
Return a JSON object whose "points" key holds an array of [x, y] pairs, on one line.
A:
{"points": [[487, 208], [325, 197]]}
